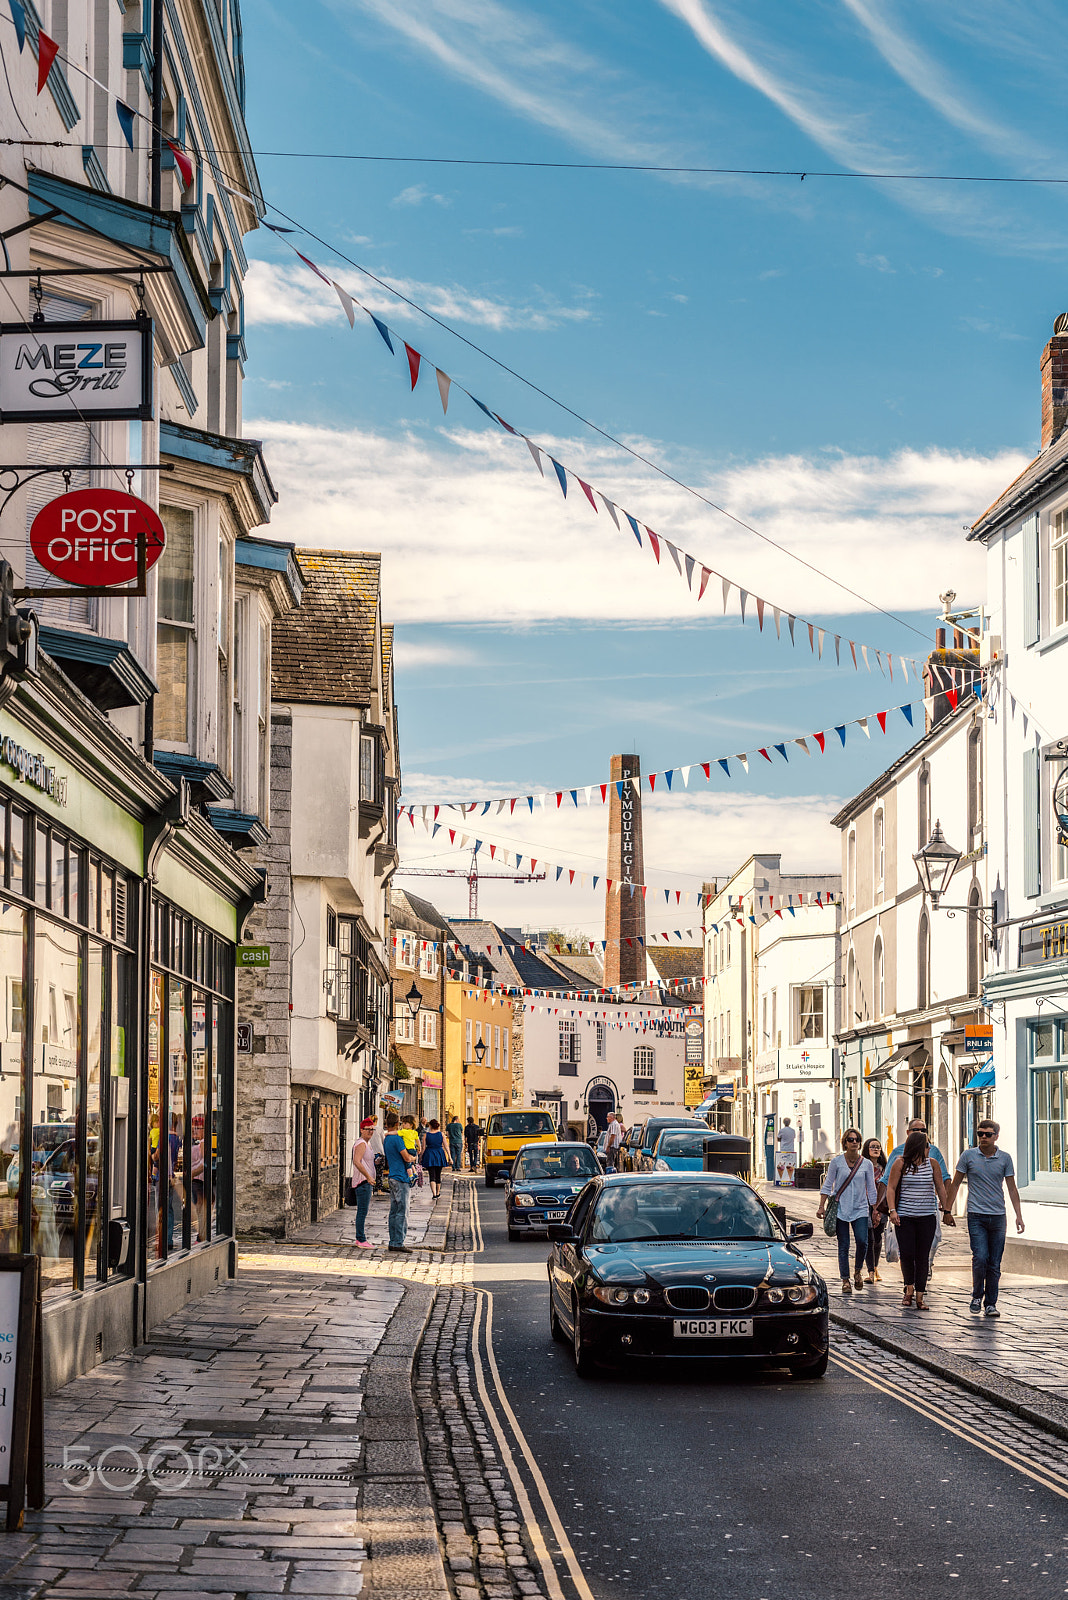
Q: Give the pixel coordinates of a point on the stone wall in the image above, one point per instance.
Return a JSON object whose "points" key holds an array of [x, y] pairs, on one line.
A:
{"points": [[265, 1198], [518, 1016]]}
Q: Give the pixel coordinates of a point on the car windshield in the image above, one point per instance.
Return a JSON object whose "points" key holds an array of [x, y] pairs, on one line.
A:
{"points": [[682, 1143], [556, 1161], [628, 1211], [523, 1124]]}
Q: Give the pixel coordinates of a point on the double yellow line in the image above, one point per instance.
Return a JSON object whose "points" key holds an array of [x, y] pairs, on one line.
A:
{"points": [[1046, 1476]]}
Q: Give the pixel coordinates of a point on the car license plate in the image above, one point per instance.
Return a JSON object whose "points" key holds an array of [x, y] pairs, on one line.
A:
{"points": [[556, 1216], [714, 1328]]}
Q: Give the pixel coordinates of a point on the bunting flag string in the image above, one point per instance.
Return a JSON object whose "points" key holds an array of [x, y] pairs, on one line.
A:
{"points": [[668, 778], [684, 564]]}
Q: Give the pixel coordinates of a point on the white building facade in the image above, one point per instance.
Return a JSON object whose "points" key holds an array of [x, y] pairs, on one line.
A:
{"points": [[583, 1058]]}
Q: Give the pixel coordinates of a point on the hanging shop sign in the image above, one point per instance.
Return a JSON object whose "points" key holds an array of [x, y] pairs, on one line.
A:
{"points": [[60, 371], [695, 1043], [89, 537]]}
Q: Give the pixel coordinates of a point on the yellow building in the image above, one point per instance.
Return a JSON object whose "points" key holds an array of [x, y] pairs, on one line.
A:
{"points": [[475, 1016]]}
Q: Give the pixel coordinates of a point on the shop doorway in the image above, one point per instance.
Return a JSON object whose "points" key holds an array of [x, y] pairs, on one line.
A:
{"points": [[601, 1102], [316, 1153]]}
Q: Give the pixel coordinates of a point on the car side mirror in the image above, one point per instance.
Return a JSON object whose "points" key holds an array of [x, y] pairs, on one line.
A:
{"points": [[561, 1233], [800, 1230]]}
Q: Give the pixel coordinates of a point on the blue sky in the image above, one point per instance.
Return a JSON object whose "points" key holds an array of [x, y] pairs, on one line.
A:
{"points": [[851, 365]]}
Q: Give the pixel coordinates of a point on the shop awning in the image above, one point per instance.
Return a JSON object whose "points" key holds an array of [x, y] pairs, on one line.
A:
{"points": [[981, 1082], [723, 1091], [904, 1053]]}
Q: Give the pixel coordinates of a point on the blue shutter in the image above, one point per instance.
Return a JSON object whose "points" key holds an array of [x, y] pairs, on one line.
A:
{"points": [[1030, 579], [1032, 873]]}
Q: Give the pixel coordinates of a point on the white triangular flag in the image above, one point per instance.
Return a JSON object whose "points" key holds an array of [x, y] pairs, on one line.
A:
{"points": [[536, 453], [444, 385], [346, 304]]}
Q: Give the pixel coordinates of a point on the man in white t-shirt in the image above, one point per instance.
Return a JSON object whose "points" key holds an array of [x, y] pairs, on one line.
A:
{"points": [[613, 1140], [786, 1161]]}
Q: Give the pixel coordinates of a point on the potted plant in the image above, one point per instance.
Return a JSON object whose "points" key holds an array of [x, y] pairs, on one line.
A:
{"points": [[810, 1174]]}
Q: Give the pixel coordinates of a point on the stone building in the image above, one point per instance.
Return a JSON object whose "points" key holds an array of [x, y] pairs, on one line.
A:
{"points": [[419, 935], [317, 1018]]}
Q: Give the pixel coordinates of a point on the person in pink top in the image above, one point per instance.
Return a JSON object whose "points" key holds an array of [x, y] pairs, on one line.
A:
{"points": [[362, 1178]]}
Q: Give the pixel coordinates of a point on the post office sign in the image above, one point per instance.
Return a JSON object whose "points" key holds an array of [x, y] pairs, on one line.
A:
{"points": [[54, 371]]}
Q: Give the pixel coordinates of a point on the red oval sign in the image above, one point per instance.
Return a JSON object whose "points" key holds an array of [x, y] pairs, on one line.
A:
{"points": [[89, 537]]}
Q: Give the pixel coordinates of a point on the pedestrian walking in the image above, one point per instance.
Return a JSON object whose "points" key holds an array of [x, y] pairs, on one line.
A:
{"points": [[851, 1181], [455, 1131], [918, 1125], [472, 1134], [399, 1161], [434, 1158], [362, 1174], [988, 1172], [612, 1141], [872, 1150], [914, 1191]]}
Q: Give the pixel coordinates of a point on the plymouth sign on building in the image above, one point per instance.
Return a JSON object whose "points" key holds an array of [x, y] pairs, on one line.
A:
{"points": [[58, 371]]}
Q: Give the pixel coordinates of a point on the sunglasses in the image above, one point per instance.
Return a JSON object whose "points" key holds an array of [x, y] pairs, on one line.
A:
{"points": [[852, 1141], [986, 1133]]}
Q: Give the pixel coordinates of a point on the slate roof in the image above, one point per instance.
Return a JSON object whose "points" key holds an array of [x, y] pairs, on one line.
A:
{"points": [[675, 962], [323, 653], [415, 915], [587, 969], [1012, 502], [387, 650], [515, 964]]}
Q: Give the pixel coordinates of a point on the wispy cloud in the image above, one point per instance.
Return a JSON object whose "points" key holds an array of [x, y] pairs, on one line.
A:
{"points": [[417, 194], [289, 295], [411, 654], [877, 263]]}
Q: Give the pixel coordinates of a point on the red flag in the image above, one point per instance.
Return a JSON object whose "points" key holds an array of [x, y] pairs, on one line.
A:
{"points": [[705, 575], [706, 769], [533, 862], [820, 739], [315, 269], [588, 492], [493, 851], [880, 717], [951, 696], [183, 163], [604, 793], [559, 798], [571, 873], [764, 753], [655, 542], [452, 835], [608, 881], [511, 808], [652, 780], [414, 359], [47, 49]]}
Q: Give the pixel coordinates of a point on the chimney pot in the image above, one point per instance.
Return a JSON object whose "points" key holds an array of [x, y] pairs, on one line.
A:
{"points": [[940, 638], [1054, 371]]}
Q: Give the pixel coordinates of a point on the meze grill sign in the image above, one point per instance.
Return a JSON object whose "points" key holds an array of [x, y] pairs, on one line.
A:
{"points": [[89, 536], [56, 371]]}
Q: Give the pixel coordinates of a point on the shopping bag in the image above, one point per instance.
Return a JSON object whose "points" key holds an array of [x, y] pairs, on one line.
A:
{"points": [[893, 1249]]}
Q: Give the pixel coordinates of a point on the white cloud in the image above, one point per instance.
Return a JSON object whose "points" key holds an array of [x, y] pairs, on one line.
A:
{"points": [[470, 531], [689, 838], [878, 263], [292, 296], [416, 193], [409, 655]]}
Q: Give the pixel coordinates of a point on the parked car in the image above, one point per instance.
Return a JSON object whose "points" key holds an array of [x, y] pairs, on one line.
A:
{"points": [[642, 1160], [506, 1134], [544, 1182], [631, 1139], [680, 1150], [735, 1287]]}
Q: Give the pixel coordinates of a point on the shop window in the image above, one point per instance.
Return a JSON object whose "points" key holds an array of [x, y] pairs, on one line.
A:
{"points": [[175, 629], [644, 1069], [15, 871], [12, 938], [153, 1237], [1049, 1096], [53, 1153]]}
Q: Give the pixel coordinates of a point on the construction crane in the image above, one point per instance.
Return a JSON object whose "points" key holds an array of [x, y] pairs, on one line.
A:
{"points": [[472, 875]]}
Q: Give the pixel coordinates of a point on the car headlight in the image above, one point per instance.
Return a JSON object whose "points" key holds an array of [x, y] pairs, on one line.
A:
{"points": [[523, 1199], [641, 1297], [802, 1294], [611, 1295], [660, 1165], [775, 1296], [496, 1152]]}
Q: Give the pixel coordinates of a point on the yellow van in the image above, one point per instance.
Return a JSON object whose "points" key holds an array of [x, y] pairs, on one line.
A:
{"points": [[506, 1134]]}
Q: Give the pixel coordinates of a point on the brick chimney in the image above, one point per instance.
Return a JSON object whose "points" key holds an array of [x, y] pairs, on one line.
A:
{"points": [[1054, 369]]}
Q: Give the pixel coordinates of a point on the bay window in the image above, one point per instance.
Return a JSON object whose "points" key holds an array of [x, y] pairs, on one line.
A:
{"points": [[175, 630]]}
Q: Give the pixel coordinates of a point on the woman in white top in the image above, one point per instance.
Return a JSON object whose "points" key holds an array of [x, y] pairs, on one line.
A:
{"points": [[912, 1185], [851, 1179]]}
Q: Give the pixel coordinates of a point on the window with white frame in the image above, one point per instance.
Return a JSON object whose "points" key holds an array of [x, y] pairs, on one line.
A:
{"points": [[879, 980], [404, 1026], [809, 1014], [429, 962], [497, 1047], [851, 872], [225, 627], [776, 1042], [428, 1029], [1059, 568], [505, 1065], [602, 1040], [570, 1049], [644, 1069], [176, 641], [467, 1040], [263, 720], [239, 691], [406, 950], [879, 849]]}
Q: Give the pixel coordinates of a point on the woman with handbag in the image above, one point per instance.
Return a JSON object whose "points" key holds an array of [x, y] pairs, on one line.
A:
{"points": [[872, 1150], [850, 1181], [912, 1185], [434, 1158]]}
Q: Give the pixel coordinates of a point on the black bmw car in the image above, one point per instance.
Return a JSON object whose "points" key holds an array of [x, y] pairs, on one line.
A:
{"points": [[544, 1182], [682, 1266]]}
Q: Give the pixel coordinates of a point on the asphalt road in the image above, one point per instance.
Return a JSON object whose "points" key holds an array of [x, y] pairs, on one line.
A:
{"points": [[760, 1487]]}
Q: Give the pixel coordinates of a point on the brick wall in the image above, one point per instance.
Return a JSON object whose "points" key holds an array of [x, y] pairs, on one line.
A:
{"points": [[1054, 369]]}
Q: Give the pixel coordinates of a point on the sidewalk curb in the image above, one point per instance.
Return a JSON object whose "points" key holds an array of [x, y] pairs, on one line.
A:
{"points": [[396, 1509], [1019, 1398]]}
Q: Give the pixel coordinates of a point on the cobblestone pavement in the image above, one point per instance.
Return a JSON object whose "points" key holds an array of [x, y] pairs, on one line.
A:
{"points": [[1024, 1347]]}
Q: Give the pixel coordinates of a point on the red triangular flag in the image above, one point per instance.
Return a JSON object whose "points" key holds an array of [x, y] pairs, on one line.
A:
{"points": [[588, 492], [706, 769], [820, 739], [655, 542], [511, 809], [951, 696], [652, 780], [559, 798], [764, 753], [183, 163], [315, 269], [705, 575], [604, 793], [880, 717], [571, 875], [47, 50], [414, 359]]}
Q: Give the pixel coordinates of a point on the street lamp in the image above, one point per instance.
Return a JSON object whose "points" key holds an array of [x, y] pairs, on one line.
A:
{"points": [[413, 1000], [935, 864], [480, 1051]]}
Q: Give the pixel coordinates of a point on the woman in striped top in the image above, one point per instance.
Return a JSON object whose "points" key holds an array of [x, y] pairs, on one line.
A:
{"points": [[914, 1189]]}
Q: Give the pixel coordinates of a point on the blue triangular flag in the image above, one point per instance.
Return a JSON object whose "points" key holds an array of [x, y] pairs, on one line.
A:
{"points": [[781, 748], [725, 765], [667, 776], [486, 409], [574, 796], [126, 121], [18, 17], [478, 846], [841, 733], [559, 871], [619, 790], [518, 860], [437, 829], [561, 474], [634, 526], [530, 802], [384, 331], [907, 714]]}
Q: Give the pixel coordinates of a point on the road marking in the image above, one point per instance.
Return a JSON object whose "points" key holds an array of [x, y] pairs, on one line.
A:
{"points": [[1009, 1458], [545, 1561]]}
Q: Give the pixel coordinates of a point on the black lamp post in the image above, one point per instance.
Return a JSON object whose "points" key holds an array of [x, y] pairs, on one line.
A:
{"points": [[480, 1051], [413, 1000], [935, 864]]}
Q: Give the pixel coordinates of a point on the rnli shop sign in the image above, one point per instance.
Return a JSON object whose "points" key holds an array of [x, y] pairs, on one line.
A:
{"points": [[58, 371], [90, 537]]}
